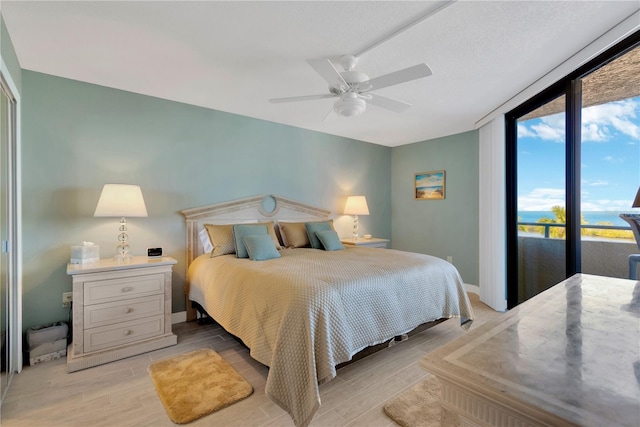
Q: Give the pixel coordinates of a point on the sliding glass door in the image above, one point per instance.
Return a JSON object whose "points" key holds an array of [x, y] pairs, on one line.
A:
{"points": [[610, 166], [541, 195], [573, 165]]}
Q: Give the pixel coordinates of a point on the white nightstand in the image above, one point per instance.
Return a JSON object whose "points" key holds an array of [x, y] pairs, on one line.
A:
{"points": [[373, 242], [120, 309]]}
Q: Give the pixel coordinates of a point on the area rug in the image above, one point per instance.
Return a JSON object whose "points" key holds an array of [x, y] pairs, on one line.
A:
{"points": [[195, 384], [418, 406]]}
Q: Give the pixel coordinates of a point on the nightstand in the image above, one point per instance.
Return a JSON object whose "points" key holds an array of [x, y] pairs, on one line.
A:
{"points": [[120, 309], [373, 242]]}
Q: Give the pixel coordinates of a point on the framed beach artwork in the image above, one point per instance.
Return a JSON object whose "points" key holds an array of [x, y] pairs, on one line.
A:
{"points": [[430, 185]]}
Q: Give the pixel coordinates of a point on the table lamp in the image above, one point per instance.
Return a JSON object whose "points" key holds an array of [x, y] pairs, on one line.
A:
{"points": [[356, 205], [121, 200]]}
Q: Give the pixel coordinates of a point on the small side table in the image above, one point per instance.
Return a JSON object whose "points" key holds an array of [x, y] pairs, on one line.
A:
{"points": [[120, 309], [372, 242]]}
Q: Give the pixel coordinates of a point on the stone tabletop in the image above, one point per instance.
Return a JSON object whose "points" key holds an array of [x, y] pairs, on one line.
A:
{"points": [[571, 353]]}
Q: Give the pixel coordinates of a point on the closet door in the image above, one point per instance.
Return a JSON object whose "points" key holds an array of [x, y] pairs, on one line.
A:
{"points": [[7, 291]]}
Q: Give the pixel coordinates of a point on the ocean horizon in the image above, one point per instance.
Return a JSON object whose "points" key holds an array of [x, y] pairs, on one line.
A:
{"points": [[592, 217]]}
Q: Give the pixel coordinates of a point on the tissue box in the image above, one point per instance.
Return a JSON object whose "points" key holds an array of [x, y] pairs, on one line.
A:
{"points": [[85, 254]]}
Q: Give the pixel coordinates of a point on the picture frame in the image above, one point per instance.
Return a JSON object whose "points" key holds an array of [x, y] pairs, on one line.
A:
{"points": [[430, 185]]}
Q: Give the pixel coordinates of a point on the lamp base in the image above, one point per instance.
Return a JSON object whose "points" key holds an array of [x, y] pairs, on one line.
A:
{"points": [[123, 248], [122, 257], [355, 228]]}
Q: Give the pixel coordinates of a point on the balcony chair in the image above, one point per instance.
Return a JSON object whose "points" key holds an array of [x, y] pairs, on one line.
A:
{"points": [[634, 259]]}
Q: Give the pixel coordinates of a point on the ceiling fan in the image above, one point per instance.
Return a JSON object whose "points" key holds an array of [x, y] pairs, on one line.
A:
{"points": [[353, 88]]}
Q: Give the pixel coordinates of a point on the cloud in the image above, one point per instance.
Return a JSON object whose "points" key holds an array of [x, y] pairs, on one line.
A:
{"points": [[549, 131], [597, 183], [600, 123], [593, 132], [617, 115], [611, 205], [524, 132], [549, 128], [541, 199], [614, 160]]}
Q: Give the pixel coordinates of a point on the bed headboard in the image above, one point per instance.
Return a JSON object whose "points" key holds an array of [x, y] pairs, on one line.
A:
{"points": [[260, 208]]}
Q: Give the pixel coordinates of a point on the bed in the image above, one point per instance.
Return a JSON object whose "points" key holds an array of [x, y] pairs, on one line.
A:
{"points": [[309, 310]]}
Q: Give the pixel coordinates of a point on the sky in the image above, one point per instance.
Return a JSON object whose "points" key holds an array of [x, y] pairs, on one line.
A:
{"points": [[432, 179], [610, 159]]}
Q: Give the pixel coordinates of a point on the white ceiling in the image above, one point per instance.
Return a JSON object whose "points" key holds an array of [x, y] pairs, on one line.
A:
{"points": [[234, 56]]}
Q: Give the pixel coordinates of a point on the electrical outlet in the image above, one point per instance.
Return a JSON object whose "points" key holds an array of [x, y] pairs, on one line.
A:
{"points": [[450, 259], [67, 297]]}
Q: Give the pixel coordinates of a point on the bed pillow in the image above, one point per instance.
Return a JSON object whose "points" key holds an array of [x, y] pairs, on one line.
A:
{"points": [[294, 234], [221, 237], [207, 247], [312, 228], [260, 247], [242, 230], [329, 240], [272, 232]]}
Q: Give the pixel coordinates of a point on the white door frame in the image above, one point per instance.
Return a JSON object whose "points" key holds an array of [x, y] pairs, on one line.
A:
{"points": [[15, 228]]}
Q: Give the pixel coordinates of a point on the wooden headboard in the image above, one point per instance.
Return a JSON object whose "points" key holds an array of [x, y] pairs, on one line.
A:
{"points": [[260, 208]]}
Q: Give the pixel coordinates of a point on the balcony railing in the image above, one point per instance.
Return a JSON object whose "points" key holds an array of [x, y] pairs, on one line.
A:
{"points": [[549, 225]]}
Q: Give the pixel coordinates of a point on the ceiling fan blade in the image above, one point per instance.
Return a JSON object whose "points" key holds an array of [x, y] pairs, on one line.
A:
{"points": [[401, 76], [388, 103], [327, 71], [300, 98]]}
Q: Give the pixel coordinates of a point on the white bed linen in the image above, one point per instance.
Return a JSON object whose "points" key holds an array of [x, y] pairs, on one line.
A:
{"points": [[310, 310]]}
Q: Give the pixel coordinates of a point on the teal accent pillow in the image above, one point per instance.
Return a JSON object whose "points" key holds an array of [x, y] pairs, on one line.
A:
{"points": [[313, 228], [260, 247], [330, 240], [241, 230]]}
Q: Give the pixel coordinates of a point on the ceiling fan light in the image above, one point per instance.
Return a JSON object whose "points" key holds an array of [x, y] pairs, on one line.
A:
{"points": [[350, 106]]}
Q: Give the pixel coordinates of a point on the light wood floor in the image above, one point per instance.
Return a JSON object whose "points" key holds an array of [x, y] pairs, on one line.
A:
{"points": [[121, 393]]}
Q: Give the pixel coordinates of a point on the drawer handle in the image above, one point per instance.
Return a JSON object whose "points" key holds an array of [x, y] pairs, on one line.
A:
{"points": [[127, 332], [127, 310], [127, 289]]}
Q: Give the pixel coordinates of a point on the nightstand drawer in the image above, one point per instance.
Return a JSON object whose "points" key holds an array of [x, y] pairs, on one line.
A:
{"points": [[121, 311], [123, 288], [122, 333]]}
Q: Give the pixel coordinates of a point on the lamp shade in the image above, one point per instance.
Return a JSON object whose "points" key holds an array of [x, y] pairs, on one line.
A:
{"points": [[356, 205], [121, 200], [636, 202]]}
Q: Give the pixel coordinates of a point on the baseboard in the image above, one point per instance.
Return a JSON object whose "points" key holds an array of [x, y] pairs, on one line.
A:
{"points": [[178, 317], [474, 289]]}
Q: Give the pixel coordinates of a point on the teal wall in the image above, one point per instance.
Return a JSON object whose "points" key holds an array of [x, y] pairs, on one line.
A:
{"points": [[446, 227], [8, 55], [77, 137]]}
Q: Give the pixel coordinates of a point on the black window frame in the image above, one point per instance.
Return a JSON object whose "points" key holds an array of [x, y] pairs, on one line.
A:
{"points": [[571, 87]]}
